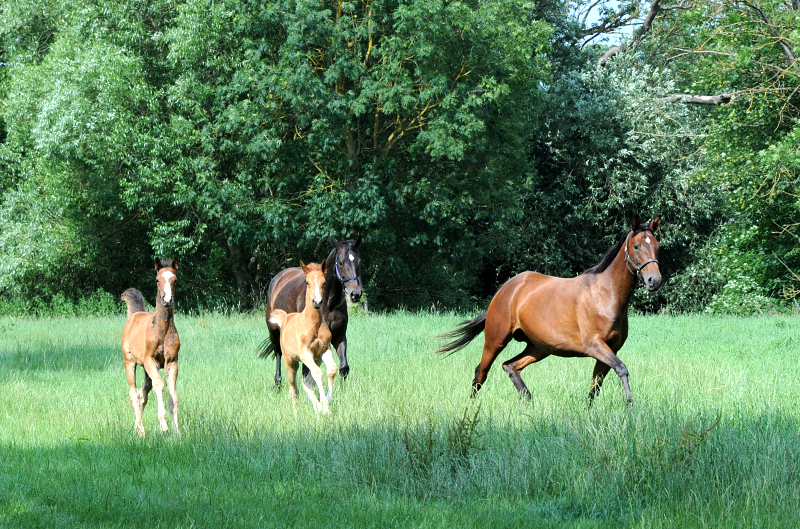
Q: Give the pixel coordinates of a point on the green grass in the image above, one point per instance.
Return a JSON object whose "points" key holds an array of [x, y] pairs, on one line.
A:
{"points": [[399, 449]]}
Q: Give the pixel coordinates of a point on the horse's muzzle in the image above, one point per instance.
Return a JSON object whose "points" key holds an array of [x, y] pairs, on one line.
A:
{"points": [[651, 281], [355, 296], [316, 303]]}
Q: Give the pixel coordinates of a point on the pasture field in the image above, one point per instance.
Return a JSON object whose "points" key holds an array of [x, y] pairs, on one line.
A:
{"points": [[711, 441]]}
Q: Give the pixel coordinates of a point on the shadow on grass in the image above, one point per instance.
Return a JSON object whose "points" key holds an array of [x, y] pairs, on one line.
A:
{"points": [[72, 358], [343, 476]]}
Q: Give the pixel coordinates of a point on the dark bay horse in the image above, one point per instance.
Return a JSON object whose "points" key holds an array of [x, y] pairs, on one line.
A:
{"points": [[306, 339], [150, 340], [287, 291], [579, 316]]}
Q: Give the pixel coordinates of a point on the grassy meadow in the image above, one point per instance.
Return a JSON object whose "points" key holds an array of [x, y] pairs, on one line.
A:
{"points": [[711, 441]]}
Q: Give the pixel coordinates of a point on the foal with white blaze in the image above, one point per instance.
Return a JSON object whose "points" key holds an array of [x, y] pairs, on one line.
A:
{"points": [[150, 340], [305, 338]]}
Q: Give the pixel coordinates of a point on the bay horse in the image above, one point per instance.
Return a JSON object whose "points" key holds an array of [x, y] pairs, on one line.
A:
{"points": [[150, 340], [578, 316], [287, 291], [306, 339]]}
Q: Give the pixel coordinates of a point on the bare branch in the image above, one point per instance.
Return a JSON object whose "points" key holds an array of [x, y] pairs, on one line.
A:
{"points": [[722, 99], [637, 35]]}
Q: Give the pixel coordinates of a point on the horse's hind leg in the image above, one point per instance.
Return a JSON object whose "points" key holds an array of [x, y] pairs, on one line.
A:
{"points": [[291, 374], [171, 371], [497, 334], [512, 367], [600, 372]]}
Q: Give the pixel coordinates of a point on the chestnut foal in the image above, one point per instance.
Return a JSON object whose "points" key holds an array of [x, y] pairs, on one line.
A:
{"points": [[306, 338], [150, 340]]}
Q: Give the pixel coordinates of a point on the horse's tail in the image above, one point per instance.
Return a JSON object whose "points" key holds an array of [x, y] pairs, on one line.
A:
{"points": [[134, 300], [277, 317], [265, 349], [464, 334]]}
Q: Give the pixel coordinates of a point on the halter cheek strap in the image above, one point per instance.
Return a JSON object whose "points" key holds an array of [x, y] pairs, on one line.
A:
{"points": [[339, 276], [629, 262]]}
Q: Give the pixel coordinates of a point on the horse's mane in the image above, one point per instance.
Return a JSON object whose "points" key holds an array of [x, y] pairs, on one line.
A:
{"points": [[611, 254]]}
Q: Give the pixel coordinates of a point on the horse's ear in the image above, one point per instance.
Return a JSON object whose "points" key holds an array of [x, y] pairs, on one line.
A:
{"points": [[324, 266], [358, 242], [174, 264], [158, 264], [636, 223], [303, 267], [333, 242], [655, 224]]}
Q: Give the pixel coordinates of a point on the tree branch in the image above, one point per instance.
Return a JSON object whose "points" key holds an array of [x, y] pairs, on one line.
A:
{"points": [[722, 99], [647, 24]]}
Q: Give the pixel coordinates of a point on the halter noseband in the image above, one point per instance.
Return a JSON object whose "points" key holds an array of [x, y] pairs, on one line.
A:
{"points": [[629, 262], [339, 276]]}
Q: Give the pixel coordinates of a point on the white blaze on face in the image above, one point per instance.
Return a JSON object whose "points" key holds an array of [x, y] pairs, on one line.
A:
{"points": [[351, 257], [317, 293], [647, 239], [167, 286]]}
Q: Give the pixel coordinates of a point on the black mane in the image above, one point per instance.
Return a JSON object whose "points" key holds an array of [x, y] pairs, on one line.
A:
{"points": [[611, 254]]}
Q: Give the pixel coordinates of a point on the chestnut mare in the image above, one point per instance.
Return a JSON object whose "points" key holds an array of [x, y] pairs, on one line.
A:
{"points": [[149, 339], [579, 316], [305, 338], [287, 291]]}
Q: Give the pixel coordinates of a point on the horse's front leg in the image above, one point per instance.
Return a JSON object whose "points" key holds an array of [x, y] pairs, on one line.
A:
{"points": [[330, 367], [321, 404], [600, 351], [151, 368], [171, 371], [339, 343], [135, 396]]}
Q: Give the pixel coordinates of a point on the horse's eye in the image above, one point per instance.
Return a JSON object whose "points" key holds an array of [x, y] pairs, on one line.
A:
{"points": [[635, 246]]}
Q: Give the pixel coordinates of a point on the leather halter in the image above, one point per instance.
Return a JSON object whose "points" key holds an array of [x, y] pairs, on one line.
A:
{"points": [[629, 262]]}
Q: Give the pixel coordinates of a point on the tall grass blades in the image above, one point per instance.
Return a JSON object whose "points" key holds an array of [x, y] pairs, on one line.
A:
{"points": [[711, 441]]}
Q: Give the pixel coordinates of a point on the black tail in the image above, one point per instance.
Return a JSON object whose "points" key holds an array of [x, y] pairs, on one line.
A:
{"points": [[464, 334], [134, 300], [265, 349]]}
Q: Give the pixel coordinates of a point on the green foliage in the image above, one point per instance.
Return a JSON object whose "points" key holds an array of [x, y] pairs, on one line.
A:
{"points": [[465, 140]]}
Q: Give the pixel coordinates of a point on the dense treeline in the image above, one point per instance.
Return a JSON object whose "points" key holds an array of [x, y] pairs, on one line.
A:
{"points": [[464, 140]]}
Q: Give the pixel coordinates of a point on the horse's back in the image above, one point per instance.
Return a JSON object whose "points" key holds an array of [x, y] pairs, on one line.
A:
{"points": [[285, 289], [134, 334]]}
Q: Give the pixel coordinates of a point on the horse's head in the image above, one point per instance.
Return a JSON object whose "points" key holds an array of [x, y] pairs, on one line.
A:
{"points": [[641, 252], [166, 278], [347, 267], [315, 278]]}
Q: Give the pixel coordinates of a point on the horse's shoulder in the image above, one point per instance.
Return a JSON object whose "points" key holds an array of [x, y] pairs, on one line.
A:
{"points": [[336, 320]]}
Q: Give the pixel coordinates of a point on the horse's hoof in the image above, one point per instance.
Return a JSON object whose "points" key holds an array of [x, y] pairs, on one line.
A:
{"points": [[344, 371]]}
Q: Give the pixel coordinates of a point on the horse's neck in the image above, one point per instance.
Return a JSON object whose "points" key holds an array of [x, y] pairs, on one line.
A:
{"points": [[619, 279], [164, 316], [332, 289], [312, 316]]}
